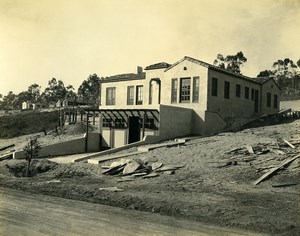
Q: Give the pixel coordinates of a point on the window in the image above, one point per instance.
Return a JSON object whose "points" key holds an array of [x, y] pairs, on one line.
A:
{"points": [[111, 96], [268, 99], [120, 123], [275, 101], [246, 92], [196, 89], [238, 90], [107, 122], [174, 90], [130, 95], [252, 94], [139, 95], [116, 122], [214, 87], [150, 93], [150, 123], [185, 90], [227, 90]]}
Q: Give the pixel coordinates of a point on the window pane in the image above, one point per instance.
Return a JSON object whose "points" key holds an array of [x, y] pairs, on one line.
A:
{"points": [[275, 101], [111, 96], [130, 95], [139, 95], [268, 99], [227, 90], [214, 87], [185, 90], [174, 91], [196, 89], [238, 90], [246, 93]]}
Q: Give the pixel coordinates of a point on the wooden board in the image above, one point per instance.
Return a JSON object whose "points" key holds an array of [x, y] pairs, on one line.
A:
{"points": [[275, 169], [288, 143]]}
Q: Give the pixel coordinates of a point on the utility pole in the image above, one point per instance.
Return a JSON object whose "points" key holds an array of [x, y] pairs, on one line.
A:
{"points": [[87, 132]]}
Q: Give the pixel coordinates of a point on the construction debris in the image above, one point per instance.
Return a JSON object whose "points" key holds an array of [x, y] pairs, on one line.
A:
{"points": [[111, 189], [130, 169], [266, 175]]}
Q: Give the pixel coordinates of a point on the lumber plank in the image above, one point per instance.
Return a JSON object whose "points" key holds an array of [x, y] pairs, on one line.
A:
{"points": [[275, 169], [288, 143], [250, 149]]}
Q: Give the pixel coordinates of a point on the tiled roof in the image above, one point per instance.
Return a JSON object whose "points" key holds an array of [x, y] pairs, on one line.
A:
{"points": [[160, 65], [213, 67], [261, 80], [124, 77]]}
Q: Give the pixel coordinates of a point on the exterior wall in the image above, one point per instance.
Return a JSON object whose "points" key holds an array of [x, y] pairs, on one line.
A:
{"points": [[234, 106], [120, 137], [121, 95], [175, 122], [67, 148], [272, 88]]}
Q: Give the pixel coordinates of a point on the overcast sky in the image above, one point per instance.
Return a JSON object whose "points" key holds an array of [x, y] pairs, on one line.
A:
{"points": [[71, 39]]}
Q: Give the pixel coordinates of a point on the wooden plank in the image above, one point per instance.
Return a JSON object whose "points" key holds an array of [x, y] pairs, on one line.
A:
{"points": [[266, 175], [288, 143], [250, 149]]}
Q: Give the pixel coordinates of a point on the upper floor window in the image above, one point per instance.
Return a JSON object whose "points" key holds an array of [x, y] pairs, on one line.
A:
{"points": [[130, 95], [174, 88], [214, 87], [196, 89], [275, 105], [139, 95], [238, 90], [268, 99], [246, 92], [252, 94], [185, 90], [226, 90], [111, 96]]}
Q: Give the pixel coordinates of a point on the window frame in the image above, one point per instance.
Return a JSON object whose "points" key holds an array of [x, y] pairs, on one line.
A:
{"points": [[174, 90], [110, 96], [226, 89], [196, 88], [130, 95], [139, 95], [238, 89], [275, 104], [214, 87], [185, 90], [269, 99], [247, 93]]}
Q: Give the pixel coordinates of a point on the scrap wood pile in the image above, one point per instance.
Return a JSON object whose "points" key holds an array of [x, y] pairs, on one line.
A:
{"points": [[284, 151], [129, 169]]}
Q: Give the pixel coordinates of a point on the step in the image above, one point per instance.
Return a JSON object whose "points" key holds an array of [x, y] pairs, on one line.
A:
{"points": [[160, 145], [100, 159]]}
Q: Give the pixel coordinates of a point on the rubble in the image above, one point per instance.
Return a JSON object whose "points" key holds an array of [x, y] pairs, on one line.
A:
{"points": [[283, 150], [131, 169]]}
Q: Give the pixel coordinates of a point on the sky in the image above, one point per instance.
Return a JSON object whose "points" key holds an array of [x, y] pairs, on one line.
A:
{"points": [[72, 39]]}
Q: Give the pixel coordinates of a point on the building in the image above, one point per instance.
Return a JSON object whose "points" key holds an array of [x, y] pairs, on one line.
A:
{"points": [[189, 97]]}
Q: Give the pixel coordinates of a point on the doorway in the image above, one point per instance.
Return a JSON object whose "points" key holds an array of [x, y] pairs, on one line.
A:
{"points": [[134, 129]]}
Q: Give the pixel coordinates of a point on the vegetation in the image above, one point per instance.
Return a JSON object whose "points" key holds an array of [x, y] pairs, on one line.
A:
{"points": [[31, 150], [27, 122], [232, 63]]}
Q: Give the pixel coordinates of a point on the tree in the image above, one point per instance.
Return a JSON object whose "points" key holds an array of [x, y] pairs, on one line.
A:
{"points": [[31, 150], [9, 101], [70, 92], [55, 90], [34, 92], [89, 90], [286, 73], [232, 63]]}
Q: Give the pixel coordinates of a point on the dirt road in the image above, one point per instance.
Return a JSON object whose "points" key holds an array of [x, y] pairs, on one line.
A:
{"points": [[30, 214]]}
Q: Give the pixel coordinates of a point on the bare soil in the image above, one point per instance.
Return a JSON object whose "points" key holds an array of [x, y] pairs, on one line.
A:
{"points": [[214, 186]]}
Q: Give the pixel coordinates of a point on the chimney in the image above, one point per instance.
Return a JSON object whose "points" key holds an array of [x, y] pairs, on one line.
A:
{"points": [[139, 70]]}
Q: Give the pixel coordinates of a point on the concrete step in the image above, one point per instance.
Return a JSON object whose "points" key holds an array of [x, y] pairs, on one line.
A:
{"points": [[160, 145], [100, 159]]}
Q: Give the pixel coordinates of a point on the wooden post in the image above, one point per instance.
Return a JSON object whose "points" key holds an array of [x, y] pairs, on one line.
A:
{"points": [[143, 127], [87, 132]]}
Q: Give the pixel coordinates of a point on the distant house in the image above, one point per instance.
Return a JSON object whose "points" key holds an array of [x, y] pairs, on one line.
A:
{"points": [[33, 106], [70, 102], [189, 97]]}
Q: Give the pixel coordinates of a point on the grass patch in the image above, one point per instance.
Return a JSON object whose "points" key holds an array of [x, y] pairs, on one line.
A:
{"points": [[27, 122]]}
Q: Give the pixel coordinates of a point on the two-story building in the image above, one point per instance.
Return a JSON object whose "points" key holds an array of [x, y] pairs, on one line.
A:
{"points": [[189, 97]]}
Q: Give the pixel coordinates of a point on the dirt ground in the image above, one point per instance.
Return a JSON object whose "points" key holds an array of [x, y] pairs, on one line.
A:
{"points": [[215, 186]]}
